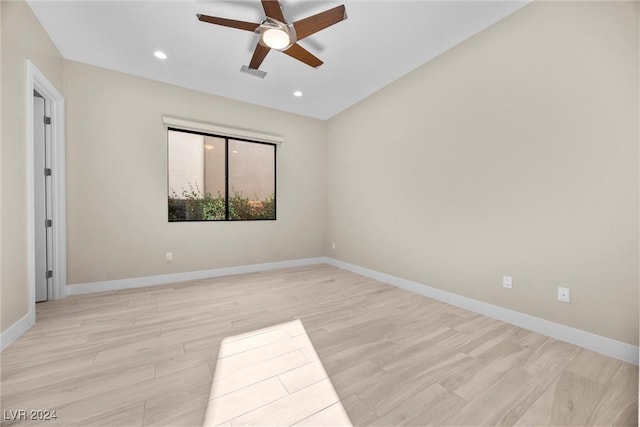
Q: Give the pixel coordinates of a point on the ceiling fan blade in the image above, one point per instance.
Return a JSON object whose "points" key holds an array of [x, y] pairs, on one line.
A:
{"points": [[301, 54], [307, 26], [242, 25], [273, 10], [258, 56]]}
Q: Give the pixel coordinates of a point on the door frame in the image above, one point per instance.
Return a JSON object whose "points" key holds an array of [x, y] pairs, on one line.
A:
{"points": [[37, 81]]}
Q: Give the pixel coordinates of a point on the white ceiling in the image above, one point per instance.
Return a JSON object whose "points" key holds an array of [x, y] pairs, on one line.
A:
{"points": [[378, 43]]}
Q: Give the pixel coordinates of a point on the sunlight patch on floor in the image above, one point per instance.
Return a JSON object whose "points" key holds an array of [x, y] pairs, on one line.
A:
{"points": [[272, 376]]}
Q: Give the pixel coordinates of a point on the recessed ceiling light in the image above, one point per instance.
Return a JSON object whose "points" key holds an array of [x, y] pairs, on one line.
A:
{"points": [[297, 93], [160, 54]]}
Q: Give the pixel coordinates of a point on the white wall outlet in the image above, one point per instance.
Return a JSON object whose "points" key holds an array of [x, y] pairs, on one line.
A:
{"points": [[169, 256], [333, 245], [507, 282], [564, 294]]}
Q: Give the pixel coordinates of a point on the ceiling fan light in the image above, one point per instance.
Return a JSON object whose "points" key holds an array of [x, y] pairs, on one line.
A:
{"points": [[276, 38]]}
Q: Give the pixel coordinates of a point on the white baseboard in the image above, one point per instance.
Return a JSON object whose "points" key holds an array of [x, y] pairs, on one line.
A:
{"points": [[16, 330], [607, 346], [138, 282]]}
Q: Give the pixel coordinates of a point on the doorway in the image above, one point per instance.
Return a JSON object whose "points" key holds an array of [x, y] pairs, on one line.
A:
{"points": [[46, 195], [42, 203]]}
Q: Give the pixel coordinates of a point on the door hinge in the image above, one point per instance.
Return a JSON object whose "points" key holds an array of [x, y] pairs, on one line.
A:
{"points": [[49, 274], [47, 120], [47, 171], [48, 223]]}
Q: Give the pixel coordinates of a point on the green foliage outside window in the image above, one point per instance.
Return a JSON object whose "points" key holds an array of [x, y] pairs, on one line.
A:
{"points": [[192, 205]]}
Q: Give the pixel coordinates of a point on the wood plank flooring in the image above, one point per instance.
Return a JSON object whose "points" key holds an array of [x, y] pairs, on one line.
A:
{"points": [[148, 356], [272, 376]]}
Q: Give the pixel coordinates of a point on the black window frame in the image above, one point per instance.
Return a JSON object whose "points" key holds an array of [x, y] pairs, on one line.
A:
{"points": [[226, 175]]}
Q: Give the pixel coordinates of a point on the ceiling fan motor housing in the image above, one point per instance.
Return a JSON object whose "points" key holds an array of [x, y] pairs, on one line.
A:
{"points": [[272, 24]]}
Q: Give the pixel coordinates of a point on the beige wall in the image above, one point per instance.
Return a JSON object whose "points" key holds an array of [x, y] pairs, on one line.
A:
{"points": [[117, 181], [514, 153], [22, 37]]}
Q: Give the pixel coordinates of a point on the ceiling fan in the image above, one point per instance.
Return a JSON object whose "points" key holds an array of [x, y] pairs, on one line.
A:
{"points": [[276, 33]]}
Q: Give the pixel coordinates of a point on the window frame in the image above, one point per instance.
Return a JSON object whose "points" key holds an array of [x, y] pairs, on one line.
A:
{"points": [[226, 138]]}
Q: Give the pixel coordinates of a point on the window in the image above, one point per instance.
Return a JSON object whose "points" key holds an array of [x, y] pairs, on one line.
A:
{"points": [[218, 178]]}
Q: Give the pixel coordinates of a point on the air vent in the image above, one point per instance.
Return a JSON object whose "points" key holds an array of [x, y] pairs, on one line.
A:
{"points": [[252, 72]]}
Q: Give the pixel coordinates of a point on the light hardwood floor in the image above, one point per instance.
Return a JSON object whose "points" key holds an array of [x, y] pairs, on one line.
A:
{"points": [[148, 356], [272, 376]]}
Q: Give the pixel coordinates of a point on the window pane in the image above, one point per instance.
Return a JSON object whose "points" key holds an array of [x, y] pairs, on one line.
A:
{"points": [[186, 162], [213, 178], [196, 177], [213, 206], [252, 183]]}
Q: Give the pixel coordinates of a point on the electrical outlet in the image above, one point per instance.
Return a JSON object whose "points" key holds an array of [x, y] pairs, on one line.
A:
{"points": [[169, 256], [507, 282], [333, 245], [564, 294]]}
